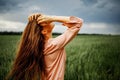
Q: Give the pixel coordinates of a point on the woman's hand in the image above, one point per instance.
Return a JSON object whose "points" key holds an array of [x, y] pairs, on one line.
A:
{"points": [[73, 22], [34, 16], [44, 19]]}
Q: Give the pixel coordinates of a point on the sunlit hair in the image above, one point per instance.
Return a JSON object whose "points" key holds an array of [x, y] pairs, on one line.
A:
{"points": [[29, 63]]}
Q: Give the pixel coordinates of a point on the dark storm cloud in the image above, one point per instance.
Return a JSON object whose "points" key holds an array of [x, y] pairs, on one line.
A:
{"points": [[89, 2], [15, 10], [92, 11], [100, 11], [115, 1], [12, 5], [6, 5]]}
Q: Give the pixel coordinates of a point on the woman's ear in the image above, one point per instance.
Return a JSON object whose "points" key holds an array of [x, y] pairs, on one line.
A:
{"points": [[44, 31]]}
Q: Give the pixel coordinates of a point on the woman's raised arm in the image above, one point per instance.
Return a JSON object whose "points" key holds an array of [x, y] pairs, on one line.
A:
{"points": [[67, 21], [48, 19]]}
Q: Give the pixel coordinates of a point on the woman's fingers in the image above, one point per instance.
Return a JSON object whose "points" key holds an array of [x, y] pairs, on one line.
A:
{"points": [[39, 18], [74, 19], [69, 24], [41, 21], [29, 18], [44, 19], [37, 15], [34, 16]]}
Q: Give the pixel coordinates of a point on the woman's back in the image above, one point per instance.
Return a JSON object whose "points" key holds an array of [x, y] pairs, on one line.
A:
{"points": [[55, 55]]}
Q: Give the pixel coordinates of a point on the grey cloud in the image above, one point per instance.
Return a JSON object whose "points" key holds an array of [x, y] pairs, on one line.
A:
{"points": [[7, 5], [102, 11], [89, 2], [90, 10], [115, 1], [15, 10], [102, 4], [13, 5]]}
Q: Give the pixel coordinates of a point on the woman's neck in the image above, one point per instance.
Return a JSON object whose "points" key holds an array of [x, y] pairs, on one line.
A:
{"points": [[48, 36]]}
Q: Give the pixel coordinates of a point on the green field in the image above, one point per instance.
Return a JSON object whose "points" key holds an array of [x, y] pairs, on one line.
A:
{"points": [[89, 57]]}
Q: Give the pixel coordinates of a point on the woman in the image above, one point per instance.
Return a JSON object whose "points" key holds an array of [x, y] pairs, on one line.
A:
{"points": [[39, 56]]}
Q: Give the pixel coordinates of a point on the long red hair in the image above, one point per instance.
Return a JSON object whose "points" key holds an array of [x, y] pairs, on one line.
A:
{"points": [[29, 63]]}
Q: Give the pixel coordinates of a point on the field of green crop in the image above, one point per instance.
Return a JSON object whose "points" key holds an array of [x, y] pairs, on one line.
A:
{"points": [[89, 57]]}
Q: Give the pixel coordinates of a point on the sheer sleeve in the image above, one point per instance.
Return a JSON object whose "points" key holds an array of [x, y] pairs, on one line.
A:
{"points": [[62, 40]]}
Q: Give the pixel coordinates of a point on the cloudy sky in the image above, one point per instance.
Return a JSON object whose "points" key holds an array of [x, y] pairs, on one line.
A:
{"points": [[100, 16]]}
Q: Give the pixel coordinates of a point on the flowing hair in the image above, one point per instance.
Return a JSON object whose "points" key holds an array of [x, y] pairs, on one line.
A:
{"points": [[29, 63]]}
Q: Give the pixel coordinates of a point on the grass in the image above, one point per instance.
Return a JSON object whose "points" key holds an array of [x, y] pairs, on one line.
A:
{"points": [[89, 57], [8, 45]]}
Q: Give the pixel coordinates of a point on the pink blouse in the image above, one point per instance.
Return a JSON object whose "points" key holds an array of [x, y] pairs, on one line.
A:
{"points": [[55, 55]]}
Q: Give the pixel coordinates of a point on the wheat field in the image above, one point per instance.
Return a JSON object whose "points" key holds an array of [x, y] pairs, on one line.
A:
{"points": [[89, 57]]}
